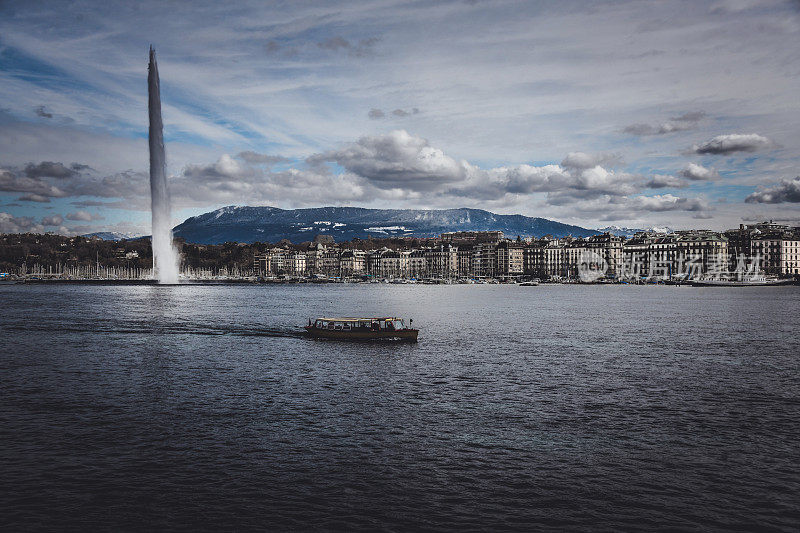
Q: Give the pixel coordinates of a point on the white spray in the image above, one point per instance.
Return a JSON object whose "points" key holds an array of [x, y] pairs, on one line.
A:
{"points": [[165, 256]]}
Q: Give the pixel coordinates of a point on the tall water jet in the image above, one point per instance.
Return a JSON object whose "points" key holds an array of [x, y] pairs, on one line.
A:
{"points": [[165, 256]]}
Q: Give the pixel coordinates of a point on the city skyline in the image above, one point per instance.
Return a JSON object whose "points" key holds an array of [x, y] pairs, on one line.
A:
{"points": [[679, 113]]}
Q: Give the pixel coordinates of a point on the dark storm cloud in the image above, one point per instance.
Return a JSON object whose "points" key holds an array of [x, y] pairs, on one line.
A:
{"points": [[684, 122], [733, 143], [787, 191]]}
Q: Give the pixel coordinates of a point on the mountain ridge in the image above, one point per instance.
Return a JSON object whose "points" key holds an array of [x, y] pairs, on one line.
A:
{"points": [[271, 224]]}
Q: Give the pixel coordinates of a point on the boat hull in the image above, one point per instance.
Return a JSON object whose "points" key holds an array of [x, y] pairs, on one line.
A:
{"points": [[408, 335]]}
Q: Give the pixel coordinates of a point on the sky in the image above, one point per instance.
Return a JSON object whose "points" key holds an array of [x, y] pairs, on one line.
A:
{"points": [[626, 113]]}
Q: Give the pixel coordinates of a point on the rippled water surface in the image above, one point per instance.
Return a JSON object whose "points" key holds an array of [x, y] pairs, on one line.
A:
{"points": [[550, 407]]}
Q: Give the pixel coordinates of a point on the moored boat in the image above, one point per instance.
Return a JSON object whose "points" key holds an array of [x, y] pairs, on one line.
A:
{"points": [[363, 328], [742, 283], [753, 281]]}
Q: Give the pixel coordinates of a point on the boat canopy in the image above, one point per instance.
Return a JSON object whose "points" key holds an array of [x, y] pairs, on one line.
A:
{"points": [[357, 319], [349, 323]]}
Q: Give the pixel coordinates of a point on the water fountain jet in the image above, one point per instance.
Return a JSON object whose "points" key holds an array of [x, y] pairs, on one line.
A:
{"points": [[165, 256]]}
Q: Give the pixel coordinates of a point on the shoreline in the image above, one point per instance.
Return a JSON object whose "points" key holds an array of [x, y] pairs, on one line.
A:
{"points": [[250, 281]]}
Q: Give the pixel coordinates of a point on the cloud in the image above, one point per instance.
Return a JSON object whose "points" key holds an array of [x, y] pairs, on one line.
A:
{"points": [[692, 116], [11, 181], [396, 159], [11, 224], [404, 113], [49, 169], [787, 191], [359, 48], [377, 114], [732, 143], [334, 43], [41, 112], [34, 198], [697, 172], [256, 158], [664, 181], [271, 47], [55, 220], [610, 208], [684, 122], [83, 216], [562, 185], [667, 202], [226, 167], [581, 160]]}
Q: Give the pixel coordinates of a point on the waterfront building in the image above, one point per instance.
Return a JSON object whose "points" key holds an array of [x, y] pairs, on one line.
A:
{"points": [[693, 254], [373, 261], [636, 256], [774, 246], [465, 260], [472, 236], [352, 263], [394, 264], [533, 257], [271, 263], [295, 263], [555, 265], [510, 263], [608, 249], [442, 261], [484, 260], [684, 254], [417, 264]]}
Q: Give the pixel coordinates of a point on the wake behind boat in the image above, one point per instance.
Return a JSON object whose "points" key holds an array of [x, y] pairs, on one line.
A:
{"points": [[349, 328]]}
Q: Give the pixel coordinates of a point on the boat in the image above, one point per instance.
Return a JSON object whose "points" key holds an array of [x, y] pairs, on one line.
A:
{"points": [[361, 328], [754, 281], [529, 284]]}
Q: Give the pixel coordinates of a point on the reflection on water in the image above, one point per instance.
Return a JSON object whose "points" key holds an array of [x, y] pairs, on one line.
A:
{"points": [[189, 407]]}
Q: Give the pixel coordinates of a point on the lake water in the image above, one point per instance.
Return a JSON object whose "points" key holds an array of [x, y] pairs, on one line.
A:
{"points": [[551, 407]]}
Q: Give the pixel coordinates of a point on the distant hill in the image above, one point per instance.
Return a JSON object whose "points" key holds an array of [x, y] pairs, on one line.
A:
{"points": [[110, 235], [270, 224]]}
